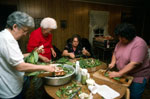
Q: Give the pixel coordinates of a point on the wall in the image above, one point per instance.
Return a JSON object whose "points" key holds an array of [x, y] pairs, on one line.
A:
{"points": [[75, 13]]}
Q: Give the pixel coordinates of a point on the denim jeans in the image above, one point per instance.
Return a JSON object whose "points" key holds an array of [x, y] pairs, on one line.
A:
{"points": [[136, 89]]}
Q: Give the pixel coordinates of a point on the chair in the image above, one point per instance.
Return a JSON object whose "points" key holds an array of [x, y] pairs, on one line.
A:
{"points": [[127, 95], [85, 43]]}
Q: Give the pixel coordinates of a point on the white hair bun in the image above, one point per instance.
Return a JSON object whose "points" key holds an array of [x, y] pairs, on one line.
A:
{"points": [[48, 23]]}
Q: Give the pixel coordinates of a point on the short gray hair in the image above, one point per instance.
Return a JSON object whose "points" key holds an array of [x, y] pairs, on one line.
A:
{"points": [[21, 19], [48, 23]]}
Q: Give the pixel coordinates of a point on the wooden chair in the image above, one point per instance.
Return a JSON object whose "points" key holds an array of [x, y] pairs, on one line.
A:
{"points": [[127, 95]]}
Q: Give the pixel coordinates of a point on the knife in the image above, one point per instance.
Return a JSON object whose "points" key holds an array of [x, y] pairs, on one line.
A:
{"points": [[108, 69]]}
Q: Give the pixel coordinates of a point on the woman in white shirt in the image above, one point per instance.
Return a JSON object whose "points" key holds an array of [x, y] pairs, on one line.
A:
{"points": [[12, 65]]}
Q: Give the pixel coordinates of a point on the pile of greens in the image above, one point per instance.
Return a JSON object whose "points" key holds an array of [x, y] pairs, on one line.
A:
{"points": [[32, 58], [66, 70], [68, 91], [89, 63], [62, 60]]}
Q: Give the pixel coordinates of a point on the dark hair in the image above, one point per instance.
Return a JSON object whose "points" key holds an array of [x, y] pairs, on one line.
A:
{"points": [[76, 36], [125, 30]]}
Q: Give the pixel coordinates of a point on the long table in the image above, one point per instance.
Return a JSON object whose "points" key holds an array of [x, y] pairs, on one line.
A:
{"points": [[124, 91]]}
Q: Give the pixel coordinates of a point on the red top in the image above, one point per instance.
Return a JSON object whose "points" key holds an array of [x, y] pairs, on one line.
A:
{"points": [[37, 39]]}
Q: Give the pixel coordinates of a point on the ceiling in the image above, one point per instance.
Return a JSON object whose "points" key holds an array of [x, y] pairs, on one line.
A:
{"points": [[116, 2]]}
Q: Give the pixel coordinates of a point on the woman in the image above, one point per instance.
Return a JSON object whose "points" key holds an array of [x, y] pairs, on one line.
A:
{"points": [[43, 36], [74, 48], [131, 57], [12, 65]]}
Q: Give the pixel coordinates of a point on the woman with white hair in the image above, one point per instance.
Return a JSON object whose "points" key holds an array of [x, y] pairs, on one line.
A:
{"points": [[12, 65], [43, 36]]}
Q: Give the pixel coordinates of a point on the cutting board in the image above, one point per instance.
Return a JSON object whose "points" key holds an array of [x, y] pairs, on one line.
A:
{"points": [[125, 80]]}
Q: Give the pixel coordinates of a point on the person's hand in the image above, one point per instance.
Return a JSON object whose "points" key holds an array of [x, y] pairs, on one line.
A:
{"points": [[54, 53], [84, 51], [50, 68], [114, 74], [111, 66], [40, 49], [71, 55], [44, 59]]}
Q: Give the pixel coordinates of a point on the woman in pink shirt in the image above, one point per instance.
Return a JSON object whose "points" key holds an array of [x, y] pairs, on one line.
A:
{"points": [[131, 58]]}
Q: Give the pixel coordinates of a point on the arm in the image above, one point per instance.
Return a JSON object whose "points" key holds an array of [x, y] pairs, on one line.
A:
{"points": [[44, 59], [26, 54], [125, 70], [26, 67], [66, 53], [113, 61], [53, 52]]}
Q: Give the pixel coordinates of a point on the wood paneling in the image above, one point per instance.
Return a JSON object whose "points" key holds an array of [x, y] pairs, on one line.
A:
{"points": [[75, 13]]}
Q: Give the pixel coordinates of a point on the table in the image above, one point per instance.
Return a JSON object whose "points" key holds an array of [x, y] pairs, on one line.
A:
{"points": [[51, 90]]}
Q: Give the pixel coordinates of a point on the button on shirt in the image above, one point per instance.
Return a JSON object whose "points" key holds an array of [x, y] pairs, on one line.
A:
{"points": [[11, 80]]}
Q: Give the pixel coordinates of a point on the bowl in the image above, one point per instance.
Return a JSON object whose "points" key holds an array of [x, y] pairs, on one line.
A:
{"points": [[57, 81]]}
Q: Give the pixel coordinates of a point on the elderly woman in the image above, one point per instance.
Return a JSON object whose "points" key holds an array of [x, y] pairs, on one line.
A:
{"points": [[74, 48], [12, 65], [43, 36], [131, 57]]}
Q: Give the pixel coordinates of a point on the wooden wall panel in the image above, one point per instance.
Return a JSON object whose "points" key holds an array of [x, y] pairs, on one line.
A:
{"points": [[75, 13]]}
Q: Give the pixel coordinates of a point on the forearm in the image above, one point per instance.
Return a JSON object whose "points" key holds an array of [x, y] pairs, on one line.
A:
{"points": [[26, 67], [40, 56], [128, 68], [65, 53], [52, 49], [27, 54], [113, 60]]}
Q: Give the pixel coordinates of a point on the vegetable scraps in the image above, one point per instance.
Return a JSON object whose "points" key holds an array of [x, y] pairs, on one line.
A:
{"points": [[67, 92]]}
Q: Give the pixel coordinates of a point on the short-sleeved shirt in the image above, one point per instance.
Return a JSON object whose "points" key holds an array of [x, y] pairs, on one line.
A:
{"points": [[37, 39], [11, 80], [135, 51]]}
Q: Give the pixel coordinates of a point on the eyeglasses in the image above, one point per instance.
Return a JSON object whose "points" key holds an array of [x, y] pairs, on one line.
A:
{"points": [[25, 30]]}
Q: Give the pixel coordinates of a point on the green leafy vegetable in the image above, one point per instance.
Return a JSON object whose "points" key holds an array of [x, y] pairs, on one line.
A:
{"points": [[62, 60], [89, 63], [32, 58], [115, 78], [66, 70], [58, 93], [68, 91], [70, 63]]}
